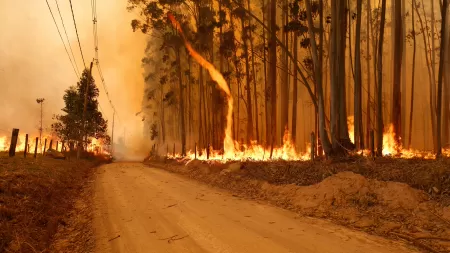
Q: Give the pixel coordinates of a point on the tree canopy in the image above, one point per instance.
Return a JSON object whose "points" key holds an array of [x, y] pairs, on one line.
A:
{"points": [[69, 126]]}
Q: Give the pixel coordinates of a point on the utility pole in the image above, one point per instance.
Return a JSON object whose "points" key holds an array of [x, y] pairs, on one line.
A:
{"points": [[80, 145], [112, 134], [40, 101]]}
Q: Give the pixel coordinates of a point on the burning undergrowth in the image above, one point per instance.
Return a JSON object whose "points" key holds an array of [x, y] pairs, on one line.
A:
{"points": [[389, 197]]}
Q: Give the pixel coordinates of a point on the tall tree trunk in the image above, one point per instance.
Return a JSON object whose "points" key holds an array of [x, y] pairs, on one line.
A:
{"points": [[182, 121], [344, 139], [404, 87], [190, 96], [368, 108], [397, 78], [284, 86], [380, 82], [266, 84], [318, 77], [255, 90], [334, 75], [358, 134], [294, 92], [320, 111], [163, 123], [440, 77], [273, 72], [248, 84], [411, 112]]}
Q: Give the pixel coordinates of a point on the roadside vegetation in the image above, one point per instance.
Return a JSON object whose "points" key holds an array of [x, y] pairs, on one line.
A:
{"points": [[35, 197]]}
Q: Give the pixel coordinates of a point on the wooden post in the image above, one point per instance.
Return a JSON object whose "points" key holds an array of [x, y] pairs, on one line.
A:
{"points": [[62, 146], [174, 150], [45, 147], [51, 144], [12, 147], [35, 147], [195, 151], [56, 145], [26, 146], [372, 143], [207, 152], [313, 146], [167, 153]]}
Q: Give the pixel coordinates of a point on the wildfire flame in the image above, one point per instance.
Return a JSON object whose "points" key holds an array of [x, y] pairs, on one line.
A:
{"points": [[95, 145], [235, 151], [229, 145]]}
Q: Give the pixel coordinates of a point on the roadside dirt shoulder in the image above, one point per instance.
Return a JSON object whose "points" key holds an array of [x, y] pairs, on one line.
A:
{"points": [[37, 199], [386, 208]]}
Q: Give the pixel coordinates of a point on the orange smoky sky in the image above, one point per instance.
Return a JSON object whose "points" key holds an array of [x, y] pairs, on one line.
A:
{"points": [[34, 63]]}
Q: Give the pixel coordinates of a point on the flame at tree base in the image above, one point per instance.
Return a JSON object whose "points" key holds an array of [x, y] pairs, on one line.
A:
{"points": [[287, 151], [252, 152], [234, 151]]}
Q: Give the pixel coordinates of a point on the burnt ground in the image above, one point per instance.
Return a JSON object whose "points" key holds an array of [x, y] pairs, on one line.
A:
{"points": [[394, 198], [36, 199]]}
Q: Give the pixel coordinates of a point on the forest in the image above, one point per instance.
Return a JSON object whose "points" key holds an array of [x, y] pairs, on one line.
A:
{"points": [[356, 74]]}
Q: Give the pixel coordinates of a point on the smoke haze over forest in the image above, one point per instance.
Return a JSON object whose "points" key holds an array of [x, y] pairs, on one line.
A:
{"points": [[34, 63]]}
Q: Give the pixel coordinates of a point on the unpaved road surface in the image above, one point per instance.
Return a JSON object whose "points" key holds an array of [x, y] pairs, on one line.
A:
{"points": [[156, 211]]}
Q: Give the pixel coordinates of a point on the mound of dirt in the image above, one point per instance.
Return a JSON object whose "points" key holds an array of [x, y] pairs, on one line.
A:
{"points": [[346, 187], [382, 207]]}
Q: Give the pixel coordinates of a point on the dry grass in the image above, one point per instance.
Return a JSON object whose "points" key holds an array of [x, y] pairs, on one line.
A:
{"points": [[35, 194], [431, 176]]}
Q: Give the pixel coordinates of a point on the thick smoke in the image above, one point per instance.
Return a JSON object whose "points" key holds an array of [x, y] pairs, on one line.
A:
{"points": [[34, 64]]}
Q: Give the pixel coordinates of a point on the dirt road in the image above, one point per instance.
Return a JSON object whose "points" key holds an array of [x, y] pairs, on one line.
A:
{"points": [[155, 211]]}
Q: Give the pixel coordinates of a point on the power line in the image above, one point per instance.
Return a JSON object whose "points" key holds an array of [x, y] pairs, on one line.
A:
{"points": [[76, 30], [62, 40], [97, 62], [67, 37]]}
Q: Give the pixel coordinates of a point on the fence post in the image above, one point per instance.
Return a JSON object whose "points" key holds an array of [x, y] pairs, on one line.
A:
{"points": [[207, 152], [62, 146], [372, 143], [195, 151], [57, 145], [26, 147], [167, 153], [35, 147], [51, 144], [174, 150], [12, 147], [313, 146], [45, 147]]}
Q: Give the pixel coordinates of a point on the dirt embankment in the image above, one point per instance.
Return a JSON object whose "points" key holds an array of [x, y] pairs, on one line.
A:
{"points": [[36, 197], [392, 198]]}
